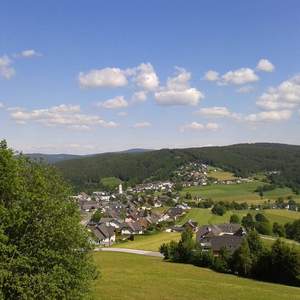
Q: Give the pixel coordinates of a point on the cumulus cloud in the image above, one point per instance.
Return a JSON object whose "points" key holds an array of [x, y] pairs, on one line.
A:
{"points": [[68, 116], [6, 69], [145, 76], [29, 53], [269, 116], [142, 125], [114, 103], [178, 91], [211, 75], [285, 95], [107, 77], [265, 65], [140, 96], [195, 126], [240, 76], [215, 111], [1, 105]]}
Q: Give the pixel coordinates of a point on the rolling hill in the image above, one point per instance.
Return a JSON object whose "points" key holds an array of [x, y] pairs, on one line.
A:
{"points": [[241, 159]]}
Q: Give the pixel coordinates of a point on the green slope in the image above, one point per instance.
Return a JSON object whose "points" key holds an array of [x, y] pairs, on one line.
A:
{"points": [[130, 276]]}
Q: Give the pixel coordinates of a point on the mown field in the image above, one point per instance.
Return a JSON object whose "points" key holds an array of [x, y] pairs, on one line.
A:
{"points": [[130, 276], [149, 242], [243, 192], [205, 216], [221, 175]]}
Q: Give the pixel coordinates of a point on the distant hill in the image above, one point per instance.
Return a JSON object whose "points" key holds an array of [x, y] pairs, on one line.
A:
{"points": [[241, 159], [51, 158], [54, 158]]}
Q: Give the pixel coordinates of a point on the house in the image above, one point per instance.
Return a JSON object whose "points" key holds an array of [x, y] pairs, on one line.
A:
{"points": [[88, 205], [104, 235], [216, 243], [132, 228], [175, 212], [193, 225], [216, 237]]}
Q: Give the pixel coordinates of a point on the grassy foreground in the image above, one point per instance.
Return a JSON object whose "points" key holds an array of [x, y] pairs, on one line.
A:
{"points": [[130, 276]]}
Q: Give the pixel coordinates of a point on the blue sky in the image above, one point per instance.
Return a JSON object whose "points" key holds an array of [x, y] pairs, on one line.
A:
{"points": [[97, 76]]}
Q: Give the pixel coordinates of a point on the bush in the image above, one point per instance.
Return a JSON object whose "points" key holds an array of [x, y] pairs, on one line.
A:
{"points": [[235, 219], [218, 210]]}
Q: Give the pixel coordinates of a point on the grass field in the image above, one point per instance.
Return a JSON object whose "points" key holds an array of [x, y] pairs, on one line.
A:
{"points": [[150, 242], [244, 192], [205, 216], [221, 175], [130, 276]]}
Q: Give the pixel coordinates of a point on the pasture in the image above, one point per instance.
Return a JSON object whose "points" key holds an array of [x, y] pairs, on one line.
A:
{"points": [[130, 276]]}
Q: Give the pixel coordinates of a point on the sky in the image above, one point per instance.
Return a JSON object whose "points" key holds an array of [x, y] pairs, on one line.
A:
{"points": [[96, 76]]}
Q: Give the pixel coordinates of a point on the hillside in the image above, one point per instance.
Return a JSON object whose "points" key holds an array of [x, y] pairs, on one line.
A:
{"points": [[241, 159], [146, 278]]}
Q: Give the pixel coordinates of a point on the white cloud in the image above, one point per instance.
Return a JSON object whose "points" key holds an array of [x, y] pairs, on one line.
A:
{"points": [[6, 70], [245, 89], [107, 77], [145, 76], [1, 105], [211, 75], [195, 126], [265, 65], [240, 76], [216, 111], [114, 103], [29, 53], [178, 91], [142, 125], [140, 96], [269, 116], [68, 116], [285, 95]]}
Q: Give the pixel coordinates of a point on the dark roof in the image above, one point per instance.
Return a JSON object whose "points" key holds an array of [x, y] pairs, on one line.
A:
{"points": [[174, 211], [102, 231], [216, 230], [216, 243]]}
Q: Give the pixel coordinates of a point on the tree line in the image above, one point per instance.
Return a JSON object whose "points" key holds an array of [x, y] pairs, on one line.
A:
{"points": [[280, 264]]}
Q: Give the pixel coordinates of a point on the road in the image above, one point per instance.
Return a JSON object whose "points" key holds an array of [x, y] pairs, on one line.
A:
{"points": [[133, 251]]}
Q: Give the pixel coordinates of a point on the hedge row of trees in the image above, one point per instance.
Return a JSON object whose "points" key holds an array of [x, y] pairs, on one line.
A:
{"points": [[280, 264]]}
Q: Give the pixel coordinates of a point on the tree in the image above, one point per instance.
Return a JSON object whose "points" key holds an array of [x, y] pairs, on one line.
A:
{"points": [[248, 222], [285, 264], [44, 251], [188, 196], [263, 228], [261, 218], [293, 230], [235, 219], [278, 229], [218, 209], [96, 217], [242, 261]]}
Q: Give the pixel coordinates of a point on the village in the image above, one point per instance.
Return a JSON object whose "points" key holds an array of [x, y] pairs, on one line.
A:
{"points": [[118, 216]]}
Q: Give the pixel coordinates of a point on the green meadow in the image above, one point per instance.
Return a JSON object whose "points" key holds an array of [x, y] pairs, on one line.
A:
{"points": [[129, 276], [243, 192]]}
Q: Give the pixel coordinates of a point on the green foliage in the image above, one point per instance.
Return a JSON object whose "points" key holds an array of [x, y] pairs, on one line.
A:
{"points": [[242, 262], [109, 183], [278, 229], [44, 251], [235, 219], [293, 230], [248, 222], [218, 209], [96, 217]]}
